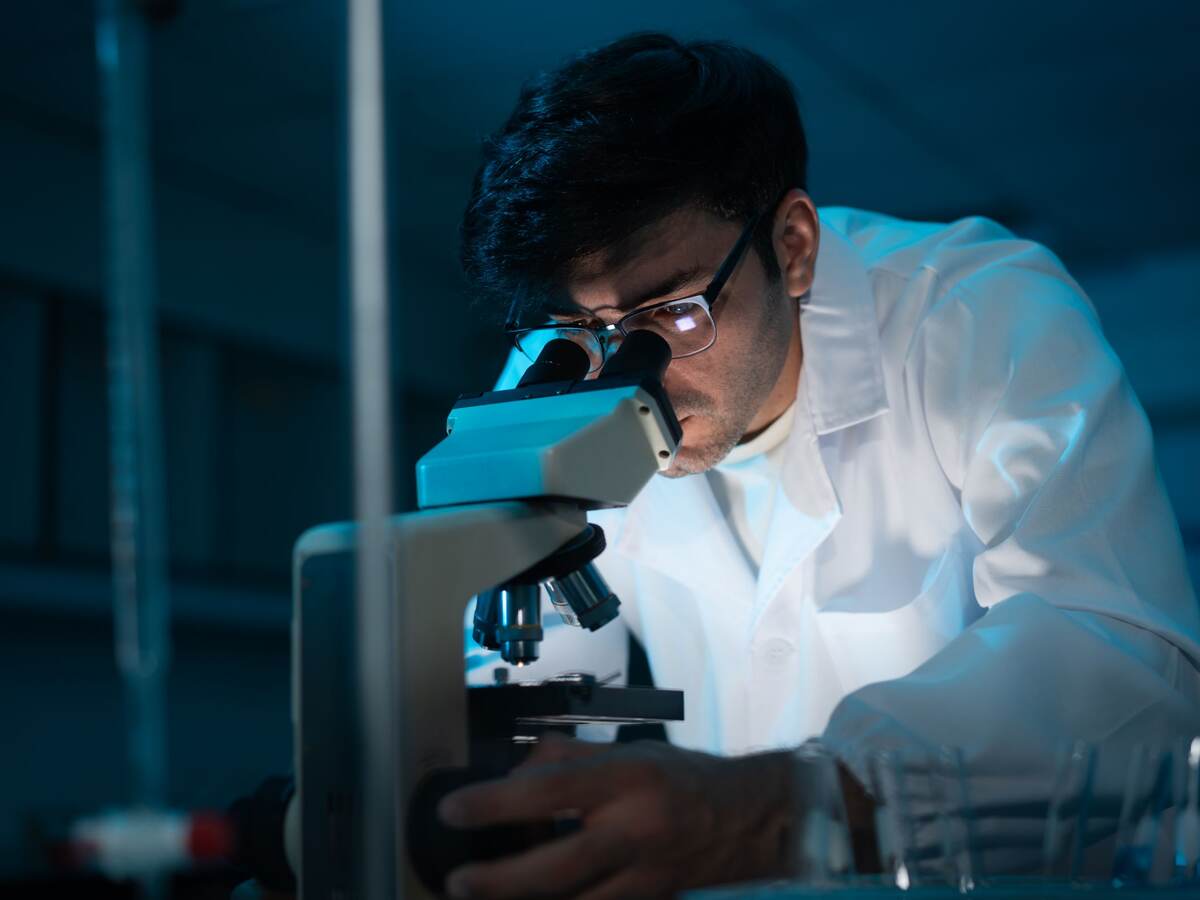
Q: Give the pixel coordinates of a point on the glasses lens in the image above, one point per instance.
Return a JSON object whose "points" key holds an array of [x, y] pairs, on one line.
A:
{"points": [[685, 324], [531, 342]]}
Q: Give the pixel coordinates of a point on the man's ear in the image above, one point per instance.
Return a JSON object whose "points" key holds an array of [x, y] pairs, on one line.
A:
{"points": [[796, 234]]}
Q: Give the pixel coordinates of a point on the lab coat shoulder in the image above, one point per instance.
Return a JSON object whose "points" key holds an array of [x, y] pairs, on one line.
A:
{"points": [[974, 322], [996, 356], [967, 285], [1010, 338], [950, 250]]}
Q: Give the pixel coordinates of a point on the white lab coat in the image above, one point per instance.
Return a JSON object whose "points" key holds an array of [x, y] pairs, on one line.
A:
{"points": [[969, 546]]}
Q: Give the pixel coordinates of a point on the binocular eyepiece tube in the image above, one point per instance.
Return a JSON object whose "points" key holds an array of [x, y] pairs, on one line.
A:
{"points": [[642, 353]]}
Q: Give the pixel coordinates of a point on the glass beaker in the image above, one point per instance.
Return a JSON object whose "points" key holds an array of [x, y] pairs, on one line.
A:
{"points": [[821, 848], [1067, 812]]}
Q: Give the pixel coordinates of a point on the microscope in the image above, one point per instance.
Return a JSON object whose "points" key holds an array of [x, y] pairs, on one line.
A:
{"points": [[503, 502]]}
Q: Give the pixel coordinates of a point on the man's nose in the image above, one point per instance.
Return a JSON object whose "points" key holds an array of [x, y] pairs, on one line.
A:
{"points": [[673, 382], [612, 343]]}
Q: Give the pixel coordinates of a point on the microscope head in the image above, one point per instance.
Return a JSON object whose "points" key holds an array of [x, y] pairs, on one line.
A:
{"points": [[558, 435]]}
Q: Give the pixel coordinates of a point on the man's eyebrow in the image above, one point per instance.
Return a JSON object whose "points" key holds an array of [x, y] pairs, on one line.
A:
{"points": [[665, 287], [564, 308]]}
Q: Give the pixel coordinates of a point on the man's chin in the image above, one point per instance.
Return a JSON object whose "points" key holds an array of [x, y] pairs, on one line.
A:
{"points": [[676, 471], [705, 443], [694, 460]]}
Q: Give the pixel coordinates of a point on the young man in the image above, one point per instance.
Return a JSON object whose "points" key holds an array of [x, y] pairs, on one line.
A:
{"points": [[915, 505]]}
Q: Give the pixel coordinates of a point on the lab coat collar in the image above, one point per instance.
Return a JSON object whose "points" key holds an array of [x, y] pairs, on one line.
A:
{"points": [[843, 369]]}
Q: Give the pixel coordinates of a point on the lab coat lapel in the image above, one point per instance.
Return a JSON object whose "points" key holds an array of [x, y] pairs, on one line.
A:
{"points": [[805, 510]]}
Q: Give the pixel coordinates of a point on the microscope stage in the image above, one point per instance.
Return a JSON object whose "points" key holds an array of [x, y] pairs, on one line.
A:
{"points": [[497, 708]]}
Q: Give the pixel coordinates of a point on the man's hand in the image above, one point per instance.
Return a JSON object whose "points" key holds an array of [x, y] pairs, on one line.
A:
{"points": [[655, 820]]}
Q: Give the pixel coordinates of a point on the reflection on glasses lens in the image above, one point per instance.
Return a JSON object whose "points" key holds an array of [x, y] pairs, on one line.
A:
{"points": [[686, 325]]}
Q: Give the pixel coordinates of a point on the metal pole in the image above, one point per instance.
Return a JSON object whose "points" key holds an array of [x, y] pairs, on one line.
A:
{"points": [[141, 610], [371, 372]]}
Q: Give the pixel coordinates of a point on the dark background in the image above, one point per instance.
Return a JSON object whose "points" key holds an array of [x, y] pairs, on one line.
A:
{"points": [[1072, 123]]}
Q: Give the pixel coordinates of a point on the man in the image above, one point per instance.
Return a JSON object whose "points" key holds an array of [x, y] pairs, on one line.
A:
{"points": [[915, 504]]}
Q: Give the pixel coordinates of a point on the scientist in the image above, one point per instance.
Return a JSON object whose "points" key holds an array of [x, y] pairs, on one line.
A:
{"points": [[915, 503]]}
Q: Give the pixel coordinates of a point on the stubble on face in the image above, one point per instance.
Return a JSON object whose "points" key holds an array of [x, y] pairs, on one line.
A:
{"points": [[743, 383]]}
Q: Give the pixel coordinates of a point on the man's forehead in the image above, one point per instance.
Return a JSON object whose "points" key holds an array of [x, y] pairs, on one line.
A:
{"points": [[678, 251]]}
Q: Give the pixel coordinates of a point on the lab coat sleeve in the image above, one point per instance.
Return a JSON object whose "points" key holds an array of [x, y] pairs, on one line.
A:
{"points": [[1090, 631]]}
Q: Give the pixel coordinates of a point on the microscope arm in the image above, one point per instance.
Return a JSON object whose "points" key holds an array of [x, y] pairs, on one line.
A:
{"points": [[440, 559]]}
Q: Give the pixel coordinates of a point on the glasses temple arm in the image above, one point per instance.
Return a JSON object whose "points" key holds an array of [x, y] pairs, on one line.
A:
{"points": [[510, 320], [732, 260]]}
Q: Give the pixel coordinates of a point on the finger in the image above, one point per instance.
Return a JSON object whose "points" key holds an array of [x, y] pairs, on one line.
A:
{"points": [[555, 868], [527, 796], [625, 885], [554, 747]]}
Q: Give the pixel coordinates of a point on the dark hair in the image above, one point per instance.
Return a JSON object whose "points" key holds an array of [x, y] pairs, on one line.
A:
{"points": [[615, 140]]}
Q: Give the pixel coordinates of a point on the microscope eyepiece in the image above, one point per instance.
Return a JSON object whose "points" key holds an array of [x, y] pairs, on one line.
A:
{"points": [[560, 360], [642, 353]]}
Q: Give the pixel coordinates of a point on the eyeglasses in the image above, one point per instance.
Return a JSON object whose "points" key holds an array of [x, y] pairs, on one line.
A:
{"points": [[688, 324]]}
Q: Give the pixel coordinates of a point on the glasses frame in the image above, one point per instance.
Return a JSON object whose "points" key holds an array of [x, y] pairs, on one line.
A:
{"points": [[605, 333]]}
